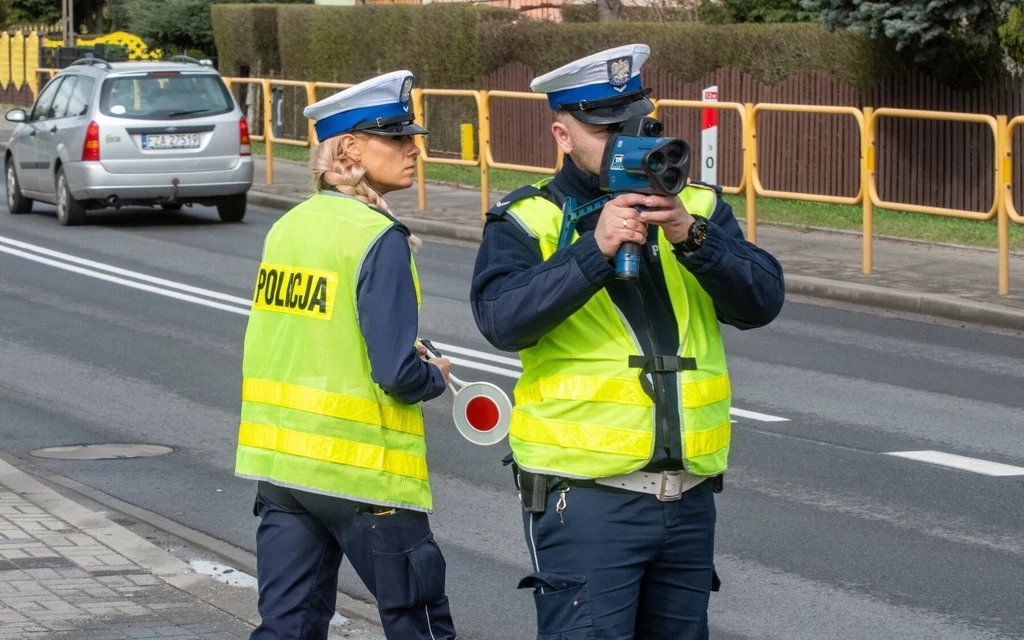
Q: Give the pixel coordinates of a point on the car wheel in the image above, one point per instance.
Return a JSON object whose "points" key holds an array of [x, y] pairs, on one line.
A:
{"points": [[231, 208], [16, 203], [70, 212]]}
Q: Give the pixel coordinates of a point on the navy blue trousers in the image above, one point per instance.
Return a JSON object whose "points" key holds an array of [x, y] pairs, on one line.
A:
{"points": [[300, 542], [619, 565]]}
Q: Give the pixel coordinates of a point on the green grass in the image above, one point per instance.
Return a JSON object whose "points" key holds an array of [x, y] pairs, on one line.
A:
{"points": [[916, 226]]}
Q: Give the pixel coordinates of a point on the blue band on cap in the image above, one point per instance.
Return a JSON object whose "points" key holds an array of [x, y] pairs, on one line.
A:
{"points": [[591, 92], [343, 122]]}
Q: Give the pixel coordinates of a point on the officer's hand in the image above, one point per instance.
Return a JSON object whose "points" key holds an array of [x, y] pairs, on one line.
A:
{"points": [[444, 364], [669, 214], [619, 223]]}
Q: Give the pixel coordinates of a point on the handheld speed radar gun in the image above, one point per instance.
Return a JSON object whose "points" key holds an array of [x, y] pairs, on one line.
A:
{"points": [[640, 160]]}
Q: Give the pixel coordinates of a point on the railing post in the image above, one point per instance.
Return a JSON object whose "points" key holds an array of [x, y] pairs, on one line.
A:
{"points": [[421, 183], [867, 177], [1004, 178], [749, 164], [311, 99], [268, 130], [484, 138]]}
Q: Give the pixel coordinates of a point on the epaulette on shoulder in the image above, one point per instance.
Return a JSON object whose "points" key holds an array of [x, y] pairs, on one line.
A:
{"points": [[707, 185], [501, 206]]}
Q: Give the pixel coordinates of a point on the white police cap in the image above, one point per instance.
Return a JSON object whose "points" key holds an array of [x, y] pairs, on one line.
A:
{"points": [[381, 105], [603, 88]]}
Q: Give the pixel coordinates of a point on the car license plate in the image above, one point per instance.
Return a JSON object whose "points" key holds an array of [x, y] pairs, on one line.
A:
{"points": [[171, 141]]}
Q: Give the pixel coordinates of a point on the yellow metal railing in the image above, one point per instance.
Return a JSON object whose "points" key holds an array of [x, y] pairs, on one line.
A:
{"points": [[491, 162], [871, 124], [424, 157], [755, 188], [750, 181]]}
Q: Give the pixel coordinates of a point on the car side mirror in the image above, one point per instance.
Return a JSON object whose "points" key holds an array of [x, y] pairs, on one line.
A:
{"points": [[17, 115]]}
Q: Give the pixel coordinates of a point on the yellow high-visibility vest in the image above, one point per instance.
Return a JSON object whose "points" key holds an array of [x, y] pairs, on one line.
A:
{"points": [[312, 417], [581, 410]]}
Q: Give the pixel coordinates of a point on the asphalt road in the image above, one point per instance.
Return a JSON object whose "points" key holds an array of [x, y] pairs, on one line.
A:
{"points": [[821, 534]]}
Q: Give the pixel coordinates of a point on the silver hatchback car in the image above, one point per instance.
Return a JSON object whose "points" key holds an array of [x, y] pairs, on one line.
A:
{"points": [[104, 135]]}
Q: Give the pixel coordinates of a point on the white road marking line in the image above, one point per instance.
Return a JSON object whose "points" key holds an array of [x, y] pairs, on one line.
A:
{"points": [[243, 308], [753, 415], [478, 354], [126, 283], [170, 284], [961, 462], [485, 367]]}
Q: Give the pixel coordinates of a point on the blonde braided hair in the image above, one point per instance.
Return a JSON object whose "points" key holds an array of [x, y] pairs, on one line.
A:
{"points": [[333, 170]]}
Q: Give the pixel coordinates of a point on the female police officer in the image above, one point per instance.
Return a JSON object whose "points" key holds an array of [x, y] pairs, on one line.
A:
{"points": [[331, 425]]}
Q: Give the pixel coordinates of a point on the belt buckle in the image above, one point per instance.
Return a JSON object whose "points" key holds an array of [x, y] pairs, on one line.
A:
{"points": [[663, 486]]}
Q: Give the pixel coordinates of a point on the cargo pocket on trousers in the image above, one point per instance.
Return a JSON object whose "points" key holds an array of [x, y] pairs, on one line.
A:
{"points": [[563, 606], [412, 578]]}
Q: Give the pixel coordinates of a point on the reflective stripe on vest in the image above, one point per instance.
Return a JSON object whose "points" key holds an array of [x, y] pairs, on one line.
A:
{"points": [[312, 417], [581, 411]]}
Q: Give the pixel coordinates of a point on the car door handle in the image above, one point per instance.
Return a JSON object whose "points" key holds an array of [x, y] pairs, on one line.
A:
{"points": [[32, 134], [53, 130]]}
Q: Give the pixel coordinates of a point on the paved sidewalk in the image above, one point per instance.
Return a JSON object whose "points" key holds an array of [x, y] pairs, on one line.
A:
{"points": [[69, 573], [959, 283]]}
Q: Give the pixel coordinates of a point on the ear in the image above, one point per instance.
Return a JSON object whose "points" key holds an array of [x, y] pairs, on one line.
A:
{"points": [[351, 146], [562, 136]]}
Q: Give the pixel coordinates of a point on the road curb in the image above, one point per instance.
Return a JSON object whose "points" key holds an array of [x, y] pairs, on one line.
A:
{"points": [[948, 307], [187, 580]]}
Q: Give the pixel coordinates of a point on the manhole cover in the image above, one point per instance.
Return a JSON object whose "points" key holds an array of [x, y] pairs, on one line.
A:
{"points": [[102, 451]]}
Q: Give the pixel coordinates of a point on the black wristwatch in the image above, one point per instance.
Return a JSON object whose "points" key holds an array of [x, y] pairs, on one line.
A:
{"points": [[698, 231]]}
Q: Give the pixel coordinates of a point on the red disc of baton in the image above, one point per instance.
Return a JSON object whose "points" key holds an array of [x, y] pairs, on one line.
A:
{"points": [[482, 413]]}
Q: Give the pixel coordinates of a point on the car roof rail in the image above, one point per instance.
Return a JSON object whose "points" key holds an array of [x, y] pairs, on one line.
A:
{"points": [[92, 62], [185, 59]]}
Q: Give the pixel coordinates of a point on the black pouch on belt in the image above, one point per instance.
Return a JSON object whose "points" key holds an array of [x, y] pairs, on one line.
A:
{"points": [[533, 487]]}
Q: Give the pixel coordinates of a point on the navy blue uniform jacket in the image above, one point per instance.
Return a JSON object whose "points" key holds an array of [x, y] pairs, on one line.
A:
{"points": [[389, 321], [518, 297]]}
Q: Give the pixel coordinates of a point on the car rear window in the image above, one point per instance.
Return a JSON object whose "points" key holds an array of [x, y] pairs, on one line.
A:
{"points": [[167, 95]]}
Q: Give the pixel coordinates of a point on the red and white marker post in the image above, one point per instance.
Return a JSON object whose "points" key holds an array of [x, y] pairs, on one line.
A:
{"points": [[709, 138]]}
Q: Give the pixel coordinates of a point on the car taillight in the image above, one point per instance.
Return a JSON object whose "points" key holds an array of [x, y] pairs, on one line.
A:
{"points": [[91, 149], [243, 136]]}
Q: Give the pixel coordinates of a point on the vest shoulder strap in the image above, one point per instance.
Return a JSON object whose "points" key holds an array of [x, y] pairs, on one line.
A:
{"points": [[501, 207], [707, 185]]}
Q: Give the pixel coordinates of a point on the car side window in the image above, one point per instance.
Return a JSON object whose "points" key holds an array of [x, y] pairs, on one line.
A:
{"points": [[45, 101], [60, 101], [81, 97]]}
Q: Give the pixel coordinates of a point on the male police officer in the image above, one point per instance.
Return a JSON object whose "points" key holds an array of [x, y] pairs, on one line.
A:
{"points": [[331, 425], [622, 411]]}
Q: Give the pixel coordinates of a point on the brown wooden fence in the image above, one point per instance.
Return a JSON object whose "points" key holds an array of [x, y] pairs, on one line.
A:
{"points": [[943, 164]]}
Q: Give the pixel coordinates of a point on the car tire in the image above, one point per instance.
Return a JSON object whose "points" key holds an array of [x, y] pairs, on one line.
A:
{"points": [[16, 203], [231, 208], [70, 212]]}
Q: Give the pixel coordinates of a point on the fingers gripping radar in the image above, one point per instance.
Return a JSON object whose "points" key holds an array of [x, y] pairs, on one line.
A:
{"points": [[640, 160], [481, 410]]}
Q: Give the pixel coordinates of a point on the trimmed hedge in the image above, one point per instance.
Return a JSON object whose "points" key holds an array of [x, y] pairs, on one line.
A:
{"points": [[437, 42], [457, 45], [588, 13], [246, 35], [769, 52]]}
